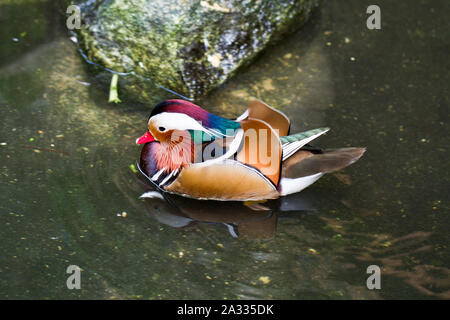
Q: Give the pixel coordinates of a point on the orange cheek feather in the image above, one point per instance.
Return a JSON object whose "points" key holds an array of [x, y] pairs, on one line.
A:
{"points": [[175, 149]]}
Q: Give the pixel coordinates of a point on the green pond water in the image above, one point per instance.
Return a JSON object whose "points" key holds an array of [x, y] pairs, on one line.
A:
{"points": [[69, 197]]}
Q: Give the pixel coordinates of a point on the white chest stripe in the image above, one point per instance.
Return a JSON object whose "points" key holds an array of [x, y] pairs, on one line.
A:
{"points": [[165, 179], [156, 176], [168, 177]]}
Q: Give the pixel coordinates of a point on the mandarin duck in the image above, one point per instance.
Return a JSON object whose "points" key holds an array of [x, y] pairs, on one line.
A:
{"points": [[194, 153]]}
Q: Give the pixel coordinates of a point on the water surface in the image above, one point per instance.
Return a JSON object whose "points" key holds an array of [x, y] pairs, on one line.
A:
{"points": [[68, 194]]}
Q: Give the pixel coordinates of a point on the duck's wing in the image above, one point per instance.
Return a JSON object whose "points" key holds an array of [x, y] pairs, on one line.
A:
{"points": [[291, 144], [305, 163], [261, 148], [255, 145], [305, 167], [262, 111]]}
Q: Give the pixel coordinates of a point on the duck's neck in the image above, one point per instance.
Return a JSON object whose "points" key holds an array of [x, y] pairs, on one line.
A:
{"points": [[173, 155]]}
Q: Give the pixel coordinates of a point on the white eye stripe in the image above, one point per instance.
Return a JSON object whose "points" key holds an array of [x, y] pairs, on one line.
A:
{"points": [[175, 121]]}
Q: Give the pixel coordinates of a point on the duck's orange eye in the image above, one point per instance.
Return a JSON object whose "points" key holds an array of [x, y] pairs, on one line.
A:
{"points": [[162, 129]]}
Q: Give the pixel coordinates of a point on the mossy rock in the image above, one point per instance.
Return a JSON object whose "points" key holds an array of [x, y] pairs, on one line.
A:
{"points": [[188, 46]]}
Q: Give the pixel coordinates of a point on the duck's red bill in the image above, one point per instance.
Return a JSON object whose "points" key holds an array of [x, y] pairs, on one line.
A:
{"points": [[147, 137]]}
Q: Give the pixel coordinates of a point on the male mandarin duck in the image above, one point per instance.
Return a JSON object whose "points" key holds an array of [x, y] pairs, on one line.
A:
{"points": [[192, 152]]}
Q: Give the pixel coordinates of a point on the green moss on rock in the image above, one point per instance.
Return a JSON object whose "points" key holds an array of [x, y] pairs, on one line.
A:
{"points": [[188, 46]]}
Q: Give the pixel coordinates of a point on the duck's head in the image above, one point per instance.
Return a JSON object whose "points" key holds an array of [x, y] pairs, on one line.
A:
{"points": [[173, 119], [174, 130]]}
